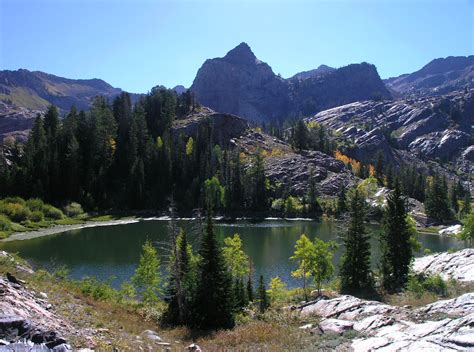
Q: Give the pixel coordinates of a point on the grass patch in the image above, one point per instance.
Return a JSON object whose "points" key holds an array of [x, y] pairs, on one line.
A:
{"points": [[106, 217], [69, 221]]}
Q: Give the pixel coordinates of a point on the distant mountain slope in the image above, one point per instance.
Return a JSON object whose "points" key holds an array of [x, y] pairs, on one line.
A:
{"points": [[438, 77], [241, 84], [36, 90]]}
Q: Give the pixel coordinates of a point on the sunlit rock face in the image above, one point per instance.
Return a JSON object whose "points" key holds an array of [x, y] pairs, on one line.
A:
{"points": [[241, 84]]}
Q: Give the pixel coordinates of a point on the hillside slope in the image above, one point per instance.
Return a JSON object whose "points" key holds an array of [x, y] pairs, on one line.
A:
{"points": [[439, 76], [36, 90]]}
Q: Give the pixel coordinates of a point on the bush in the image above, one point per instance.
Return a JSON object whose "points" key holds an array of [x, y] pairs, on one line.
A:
{"points": [[436, 285], [35, 204], [17, 212], [100, 291], [37, 216], [419, 284], [52, 212], [278, 204], [13, 200], [73, 209], [5, 223]]}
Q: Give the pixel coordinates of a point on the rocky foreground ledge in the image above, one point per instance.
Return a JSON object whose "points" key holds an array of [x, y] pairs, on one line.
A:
{"points": [[441, 326], [446, 325], [457, 265]]}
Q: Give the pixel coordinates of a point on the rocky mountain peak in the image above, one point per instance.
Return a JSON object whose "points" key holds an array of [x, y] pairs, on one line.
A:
{"points": [[241, 54]]}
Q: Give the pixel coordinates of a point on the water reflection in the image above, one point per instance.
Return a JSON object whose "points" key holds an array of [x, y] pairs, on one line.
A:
{"points": [[114, 251]]}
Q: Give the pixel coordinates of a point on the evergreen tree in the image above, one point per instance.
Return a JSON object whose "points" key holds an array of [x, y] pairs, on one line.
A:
{"points": [[249, 288], [263, 302], [396, 245], [313, 203], [257, 184], [453, 199], [356, 276], [466, 205], [213, 306], [379, 166], [436, 203], [36, 159], [300, 135], [341, 202]]}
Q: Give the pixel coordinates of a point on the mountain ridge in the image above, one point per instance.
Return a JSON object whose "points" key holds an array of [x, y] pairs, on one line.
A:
{"points": [[241, 84]]}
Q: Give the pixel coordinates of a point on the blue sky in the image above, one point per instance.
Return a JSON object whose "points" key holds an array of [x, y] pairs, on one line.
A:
{"points": [[136, 45]]}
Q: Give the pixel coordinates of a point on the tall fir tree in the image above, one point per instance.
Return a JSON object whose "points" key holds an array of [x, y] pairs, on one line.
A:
{"points": [[213, 306], [356, 276], [395, 242], [263, 302], [436, 202], [341, 206]]}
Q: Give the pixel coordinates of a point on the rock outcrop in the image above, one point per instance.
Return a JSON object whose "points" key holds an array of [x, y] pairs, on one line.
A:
{"points": [[224, 127], [431, 128], [27, 315], [388, 328], [15, 122], [241, 84], [283, 165], [439, 76], [458, 265]]}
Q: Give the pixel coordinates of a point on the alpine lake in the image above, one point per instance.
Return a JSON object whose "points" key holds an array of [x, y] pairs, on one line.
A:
{"points": [[112, 252]]}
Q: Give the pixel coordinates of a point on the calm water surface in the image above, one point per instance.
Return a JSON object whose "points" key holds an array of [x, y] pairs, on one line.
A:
{"points": [[113, 251]]}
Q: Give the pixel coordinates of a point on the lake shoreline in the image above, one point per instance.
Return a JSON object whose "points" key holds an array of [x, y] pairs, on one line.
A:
{"points": [[56, 229]]}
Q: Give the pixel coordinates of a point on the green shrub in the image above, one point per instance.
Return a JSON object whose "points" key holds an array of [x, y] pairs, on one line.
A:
{"points": [[61, 273], [278, 204], [419, 284], [5, 223], [52, 212], [73, 209], [100, 291], [17, 212], [436, 285], [37, 216], [35, 204], [13, 200]]}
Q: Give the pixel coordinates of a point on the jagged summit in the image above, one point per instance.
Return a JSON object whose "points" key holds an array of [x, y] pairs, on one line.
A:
{"points": [[241, 54]]}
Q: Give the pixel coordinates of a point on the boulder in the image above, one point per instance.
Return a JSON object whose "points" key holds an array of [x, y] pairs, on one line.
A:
{"points": [[458, 265], [451, 230], [336, 326]]}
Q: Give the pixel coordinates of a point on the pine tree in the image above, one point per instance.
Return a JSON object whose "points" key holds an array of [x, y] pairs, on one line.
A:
{"points": [[436, 202], [356, 276], [466, 205], [395, 242], [249, 288], [213, 306], [263, 302], [341, 202], [300, 135], [313, 203], [379, 165], [453, 199]]}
